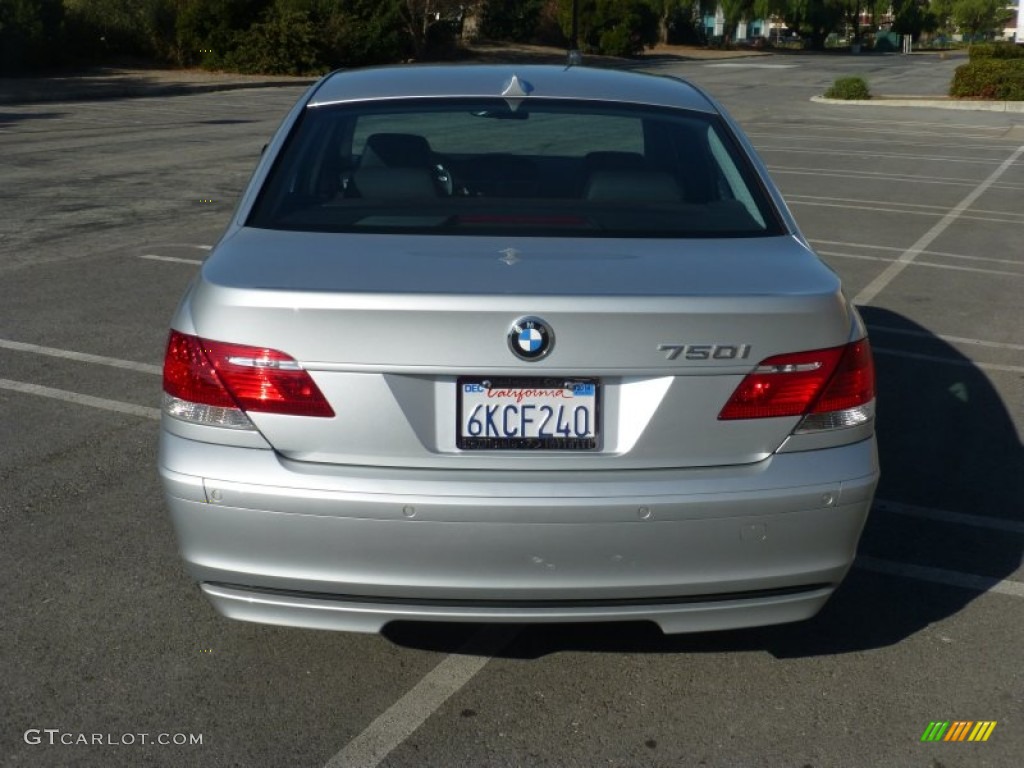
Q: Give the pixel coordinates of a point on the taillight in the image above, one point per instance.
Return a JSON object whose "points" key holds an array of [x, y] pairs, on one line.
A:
{"points": [[831, 388], [214, 382]]}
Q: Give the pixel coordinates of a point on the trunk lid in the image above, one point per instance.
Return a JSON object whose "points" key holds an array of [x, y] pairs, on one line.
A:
{"points": [[387, 325]]}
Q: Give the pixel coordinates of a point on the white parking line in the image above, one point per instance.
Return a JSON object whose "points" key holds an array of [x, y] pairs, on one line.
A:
{"points": [[902, 211], [943, 254], [407, 714], [950, 181], [898, 207], [897, 126], [915, 142], [82, 357], [155, 257], [868, 294], [969, 581], [197, 246], [871, 154], [954, 267], [731, 65], [945, 516], [79, 399]]}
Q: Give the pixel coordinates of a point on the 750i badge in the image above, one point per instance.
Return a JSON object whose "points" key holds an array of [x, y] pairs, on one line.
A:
{"points": [[705, 351]]}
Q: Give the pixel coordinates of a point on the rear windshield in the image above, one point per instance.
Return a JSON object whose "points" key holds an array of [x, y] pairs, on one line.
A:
{"points": [[536, 167]]}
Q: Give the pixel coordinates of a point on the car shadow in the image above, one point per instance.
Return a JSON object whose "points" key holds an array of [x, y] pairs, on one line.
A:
{"points": [[9, 117], [946, 443]]}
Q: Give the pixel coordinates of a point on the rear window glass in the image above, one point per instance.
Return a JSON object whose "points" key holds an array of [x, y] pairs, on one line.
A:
{"points": [[542, 167]]}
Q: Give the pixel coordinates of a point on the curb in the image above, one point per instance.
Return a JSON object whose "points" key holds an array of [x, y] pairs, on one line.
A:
{"points": [[101, 91], [936, 103]]}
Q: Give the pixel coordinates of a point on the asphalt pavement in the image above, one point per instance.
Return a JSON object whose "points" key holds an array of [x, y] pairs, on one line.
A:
{"points": [[110, 657], [123, 83], [923, 90]]}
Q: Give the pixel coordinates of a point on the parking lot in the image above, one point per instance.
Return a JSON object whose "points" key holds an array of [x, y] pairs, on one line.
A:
{"points": [[109, 207]]}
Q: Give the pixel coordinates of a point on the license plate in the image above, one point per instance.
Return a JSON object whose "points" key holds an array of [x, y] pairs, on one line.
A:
{"points": [[527, 414]]}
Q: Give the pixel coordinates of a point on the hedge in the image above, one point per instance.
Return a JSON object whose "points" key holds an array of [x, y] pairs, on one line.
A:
{"points": [[999, 79], [999, 50]]}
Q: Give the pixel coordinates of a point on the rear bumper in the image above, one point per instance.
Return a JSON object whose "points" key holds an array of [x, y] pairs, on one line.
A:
{"points": [[333, 612], [353, 549]]}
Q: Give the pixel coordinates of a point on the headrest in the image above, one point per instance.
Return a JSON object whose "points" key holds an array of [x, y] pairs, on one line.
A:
{"points": [[394, 183], [636, 186], [397, 150], [609, 160]]}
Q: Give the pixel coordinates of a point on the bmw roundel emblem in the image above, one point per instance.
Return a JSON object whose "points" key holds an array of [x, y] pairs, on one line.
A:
{"points": [[530, 338]]}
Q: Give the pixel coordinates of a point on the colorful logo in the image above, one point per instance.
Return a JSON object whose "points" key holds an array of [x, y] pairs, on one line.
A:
{"points": [[958, 730], [530, 338]]}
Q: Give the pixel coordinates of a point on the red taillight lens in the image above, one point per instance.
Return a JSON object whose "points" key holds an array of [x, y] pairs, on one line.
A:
{"points": [[189, 375], [254, 379], [818, 381], [853, 382]]}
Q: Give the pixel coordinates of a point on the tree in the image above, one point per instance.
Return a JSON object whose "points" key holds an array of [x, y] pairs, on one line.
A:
{"points": [[95, 28], [678, 17], [612, 27], [29, 32], [511, 19], [815, 19], [912, 17], [209, 30], [851, 11], [284, 43], [979, 17], [734, 11], [358, 32], [943, 11], [420, 16]]}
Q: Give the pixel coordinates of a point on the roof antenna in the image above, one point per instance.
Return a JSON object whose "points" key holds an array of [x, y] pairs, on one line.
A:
{"points": [[573, 56]]}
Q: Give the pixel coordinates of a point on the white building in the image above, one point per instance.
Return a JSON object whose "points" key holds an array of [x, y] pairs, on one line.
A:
{"points": [[1015, 30], [714, 26]]}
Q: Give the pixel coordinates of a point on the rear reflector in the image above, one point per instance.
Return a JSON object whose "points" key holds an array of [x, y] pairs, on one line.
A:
{"points": [[210, 415], [226, 376], [824, 381]]}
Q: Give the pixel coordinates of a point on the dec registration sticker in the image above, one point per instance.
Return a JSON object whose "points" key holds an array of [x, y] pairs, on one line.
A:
{"points": [[527, 414]]}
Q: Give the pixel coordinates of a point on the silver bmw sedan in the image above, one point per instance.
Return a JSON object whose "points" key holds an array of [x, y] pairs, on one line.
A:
{"points": [[515, 344]]}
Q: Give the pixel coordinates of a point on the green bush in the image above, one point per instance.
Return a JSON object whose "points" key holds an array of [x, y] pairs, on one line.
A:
{"points": [[849, 88], [1000, 79], [285, 43], [619, 41], [290, 36], [351, 41], [996, 51], [103, 30], [209, 31], [612, 27]]}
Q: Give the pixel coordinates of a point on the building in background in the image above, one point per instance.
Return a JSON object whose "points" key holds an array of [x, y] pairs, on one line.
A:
{"points": [[1015, 26], [749, 30]]}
